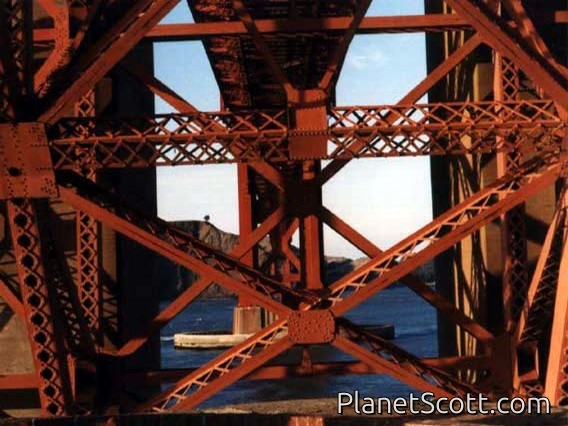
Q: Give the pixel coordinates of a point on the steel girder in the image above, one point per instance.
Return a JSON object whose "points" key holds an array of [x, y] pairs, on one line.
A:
{"points": [[455, 225], [310, 26], [353, 132], [506, 125], [509, 43], [556, 382], [48, 347]]}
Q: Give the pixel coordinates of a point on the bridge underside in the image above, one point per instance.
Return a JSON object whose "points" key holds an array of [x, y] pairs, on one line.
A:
{"points": [[495, 127]]}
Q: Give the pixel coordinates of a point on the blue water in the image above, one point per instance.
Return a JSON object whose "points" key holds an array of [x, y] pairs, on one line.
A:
{"points": [[415, 328]]}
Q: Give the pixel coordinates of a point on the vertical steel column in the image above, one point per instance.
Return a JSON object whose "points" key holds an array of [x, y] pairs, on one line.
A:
{"points": [[16, 35], [515, 277], [87, 235], [46, 341], [311, 232], [246, 218], [247, 318], [514, 236]]}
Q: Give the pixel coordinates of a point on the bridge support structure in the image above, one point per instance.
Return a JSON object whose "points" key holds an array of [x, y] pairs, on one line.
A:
{"points": [[278, 128]]}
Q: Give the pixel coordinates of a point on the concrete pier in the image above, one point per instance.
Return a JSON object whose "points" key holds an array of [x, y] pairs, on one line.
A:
{"points": [[222, 340]]}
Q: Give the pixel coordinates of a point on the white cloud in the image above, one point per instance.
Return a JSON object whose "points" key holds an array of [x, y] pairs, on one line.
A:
{"points": [[366, 56]]}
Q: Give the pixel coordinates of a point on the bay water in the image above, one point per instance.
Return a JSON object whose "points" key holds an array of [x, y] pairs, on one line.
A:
{"points": [[415, 330]]}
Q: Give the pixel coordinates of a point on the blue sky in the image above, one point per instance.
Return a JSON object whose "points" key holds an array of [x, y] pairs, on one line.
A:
{"points": [[385, 199]]}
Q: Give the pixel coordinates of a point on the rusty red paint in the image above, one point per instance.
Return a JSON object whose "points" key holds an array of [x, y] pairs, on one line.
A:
{"points": [[278, 125]]}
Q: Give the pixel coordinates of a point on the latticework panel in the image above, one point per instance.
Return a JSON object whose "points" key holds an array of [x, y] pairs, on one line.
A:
{"points": [[400, 359], [47, 343], [88, 274], [196, 254], [231, 365], [440, 234], [515, 273], [15, 34], [374, 131]]}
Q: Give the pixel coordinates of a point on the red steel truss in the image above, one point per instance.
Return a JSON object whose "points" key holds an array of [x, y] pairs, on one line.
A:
{"points": [[279, 122]]}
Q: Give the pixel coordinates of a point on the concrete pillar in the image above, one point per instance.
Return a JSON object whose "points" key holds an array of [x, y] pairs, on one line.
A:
{"points": [[247, 319]]}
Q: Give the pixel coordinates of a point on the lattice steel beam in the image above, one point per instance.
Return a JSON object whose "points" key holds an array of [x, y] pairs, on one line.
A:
{"points": [[223, 370], [538, 310], [88, 281], [48, 347], [192, 292], [441, 234], [399, 363], [421, 89], [66, 299], [103, 55], [515, 272], [371, 131], [556, 383], [496, 33], [87, 237], [533, 330], [178, 246]]}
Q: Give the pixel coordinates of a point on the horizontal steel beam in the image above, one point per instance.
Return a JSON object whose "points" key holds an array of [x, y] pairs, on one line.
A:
{"points": [[369, 25], [353, 132], [19, 381], [318, 368]]}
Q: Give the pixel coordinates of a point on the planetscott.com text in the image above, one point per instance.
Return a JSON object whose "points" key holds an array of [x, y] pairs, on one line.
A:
{"points": [[426, 404]]}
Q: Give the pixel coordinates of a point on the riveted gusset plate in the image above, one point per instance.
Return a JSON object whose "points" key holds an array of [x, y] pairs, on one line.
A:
{"points": [[26, 169], [311, 327]]}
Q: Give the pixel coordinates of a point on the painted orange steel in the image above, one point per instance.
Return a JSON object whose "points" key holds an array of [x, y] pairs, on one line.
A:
{"points": [[48, 348], [20, 381], [276, 65], [495, 33], [556, 384], [317, 368], [369, 25], [353, 132]]}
